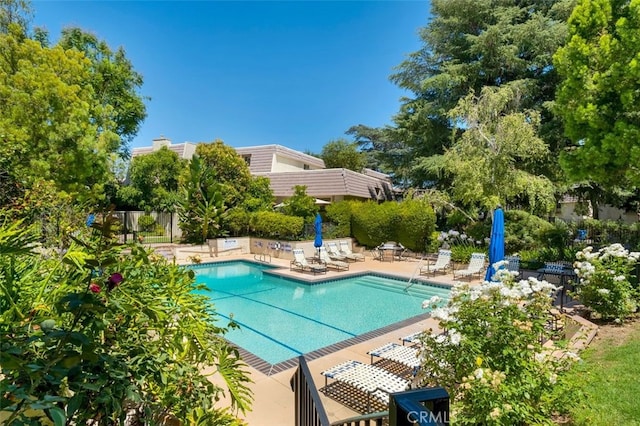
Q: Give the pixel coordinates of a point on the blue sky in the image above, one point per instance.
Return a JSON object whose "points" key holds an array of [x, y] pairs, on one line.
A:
{"points": [[294, 73]]}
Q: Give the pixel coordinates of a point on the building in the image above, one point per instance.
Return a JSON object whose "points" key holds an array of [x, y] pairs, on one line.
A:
{"points": [[287, 168]]}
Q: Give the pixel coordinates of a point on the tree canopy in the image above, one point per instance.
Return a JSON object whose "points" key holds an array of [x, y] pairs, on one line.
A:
{"points": [[599, 97], [341, 153]]}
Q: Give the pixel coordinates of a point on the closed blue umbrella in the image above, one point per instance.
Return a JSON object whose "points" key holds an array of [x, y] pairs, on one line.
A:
{"points": [[317, 242], [496, 244]]}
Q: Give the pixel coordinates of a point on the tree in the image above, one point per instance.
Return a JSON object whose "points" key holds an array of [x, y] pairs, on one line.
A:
{"points": [[202, 210], [65, 111], [115, 83], [300, 204], [341, 153], [228, 168], [154, 180], [599, 94], [493, 160], [469, 44]]}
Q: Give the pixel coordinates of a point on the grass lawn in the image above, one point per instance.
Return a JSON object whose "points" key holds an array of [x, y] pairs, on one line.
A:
{"points": [[610, 378]]}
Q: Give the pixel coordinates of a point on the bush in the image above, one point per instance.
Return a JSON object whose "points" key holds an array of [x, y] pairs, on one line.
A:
{"points": [[339, 214], [91, 331], [146, 223], [237, 222], [276, 225], [416, 222], [522, 230], [491, 360], [604, 281], [374, 223]]}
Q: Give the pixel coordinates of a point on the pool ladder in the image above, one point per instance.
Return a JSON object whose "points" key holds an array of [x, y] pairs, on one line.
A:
{"points": [[415, 271], [262, 257]]}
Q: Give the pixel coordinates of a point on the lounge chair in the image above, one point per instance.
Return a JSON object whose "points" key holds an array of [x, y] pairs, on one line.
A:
{"points": [[412, 339], [442, 264], [334, 252], [345, 250], [476, 267], [513, 265], [299, 263], [330, 263], [405, 355], [374, 381]]}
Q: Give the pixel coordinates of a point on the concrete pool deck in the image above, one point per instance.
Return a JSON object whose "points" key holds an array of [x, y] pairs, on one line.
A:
{"points": [[273, 403]]}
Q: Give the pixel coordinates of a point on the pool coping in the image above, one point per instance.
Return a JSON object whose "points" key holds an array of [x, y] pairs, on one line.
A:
{"points": [[269, 369]]}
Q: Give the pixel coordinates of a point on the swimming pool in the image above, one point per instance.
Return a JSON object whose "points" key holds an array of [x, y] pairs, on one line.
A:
{"points": [[282, 318]]}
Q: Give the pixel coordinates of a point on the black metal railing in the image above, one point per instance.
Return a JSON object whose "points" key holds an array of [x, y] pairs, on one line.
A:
{"points": [[308, 405]]}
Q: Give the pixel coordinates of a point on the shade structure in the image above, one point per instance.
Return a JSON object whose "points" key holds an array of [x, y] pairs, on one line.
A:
{"points": [[496, 243], [317, 225]]}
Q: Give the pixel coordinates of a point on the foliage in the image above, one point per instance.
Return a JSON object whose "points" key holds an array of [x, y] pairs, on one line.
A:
{"points": [[115, 85], [522, 230], [87, 335], [461, 245], [490, 359], [604, 285], [556, 237], [341, 153], [491, 161], [598, 97], [259, 195], [146, 223], [153, 181], [339, 214], [202, 210], [373, 224], [417, 222], [276, 225], [228, 168], [300, 204], [470, 44], [236, 222], [64, 118]]}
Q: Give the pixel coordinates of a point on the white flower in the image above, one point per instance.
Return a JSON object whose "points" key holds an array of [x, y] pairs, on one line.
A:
{"points": [[454, 337], [478, 373], [432, 302], [603, 291]]}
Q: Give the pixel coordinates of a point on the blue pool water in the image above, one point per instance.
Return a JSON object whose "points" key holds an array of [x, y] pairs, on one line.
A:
{"points": [[281, 318]]}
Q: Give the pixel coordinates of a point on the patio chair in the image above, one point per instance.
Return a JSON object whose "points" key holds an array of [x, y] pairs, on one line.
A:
{"points": [[476, 267], [299, 263], [376, 382], [443, 264], [334, 252], [405, 355], [338, 265], [345, 250], [513, 265]]}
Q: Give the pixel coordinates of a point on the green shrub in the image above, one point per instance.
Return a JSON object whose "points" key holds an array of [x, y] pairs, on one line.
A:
{"points": [[558, 237], [491, 360], [276, 225], [237, 222], [415, 223], [522, 230], [339, 214], [462, 253], [146, 223], [87, 335], [604, 281], [374, 223]]}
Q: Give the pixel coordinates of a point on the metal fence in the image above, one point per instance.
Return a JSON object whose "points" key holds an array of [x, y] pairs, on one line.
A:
{"points": [[154, 227]]}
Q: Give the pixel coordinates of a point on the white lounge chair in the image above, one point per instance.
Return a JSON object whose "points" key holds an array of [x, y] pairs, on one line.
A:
{"points": [[345, 250], [442, 264], [374, 381], [405, 355], [299, 263], [331, 263], [476, 267], [334, 252]]}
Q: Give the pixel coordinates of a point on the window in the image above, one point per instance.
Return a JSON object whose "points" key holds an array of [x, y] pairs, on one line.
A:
{"points": [[306, 167], [247, 159]]}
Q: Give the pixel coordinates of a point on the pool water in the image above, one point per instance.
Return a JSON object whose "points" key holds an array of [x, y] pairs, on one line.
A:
{"points": [[282, 318]]}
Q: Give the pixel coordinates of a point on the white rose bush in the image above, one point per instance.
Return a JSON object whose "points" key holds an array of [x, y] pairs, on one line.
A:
{"points": [[490, 358], [603, 281]]}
